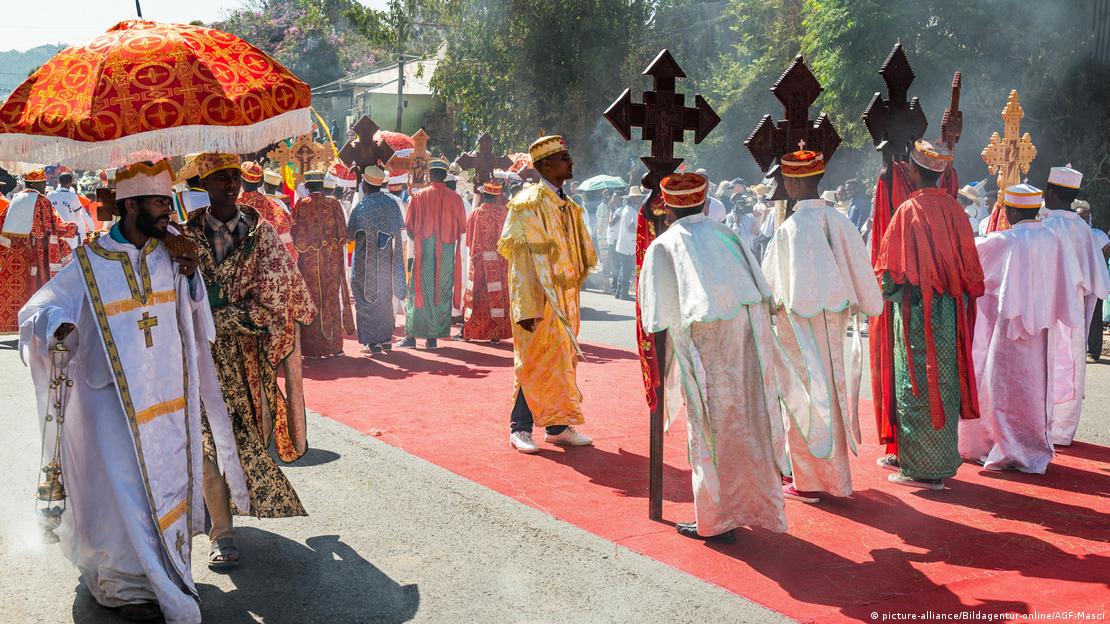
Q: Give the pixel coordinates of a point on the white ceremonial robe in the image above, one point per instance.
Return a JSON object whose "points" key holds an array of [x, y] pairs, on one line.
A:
{"points": [[1070, 368], [702, 286], [131, 452], [819, 270], [1030, 282]]}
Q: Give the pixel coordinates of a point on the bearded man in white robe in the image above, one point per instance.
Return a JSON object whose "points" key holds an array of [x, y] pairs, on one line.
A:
{"points": [[1030, 280], [702, 285], [820, 273], [1070, 368], [136, 321]]}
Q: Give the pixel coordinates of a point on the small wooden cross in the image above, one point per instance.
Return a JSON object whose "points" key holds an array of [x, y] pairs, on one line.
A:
{"points": [[148, 323], [797, 89], [418, 171], [895, 123], [483, 160], [663, 118], [1010, 155], [363, 151], [952, 124]]}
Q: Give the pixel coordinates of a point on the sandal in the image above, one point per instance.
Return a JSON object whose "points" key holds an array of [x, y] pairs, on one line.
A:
{"points": [[224, 554]]}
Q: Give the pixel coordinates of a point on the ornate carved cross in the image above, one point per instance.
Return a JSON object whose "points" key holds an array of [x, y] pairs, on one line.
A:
{"points": [[363, 150], [483, 160], [1009, 156], [895, 122], [663, 118], [797, 89], [418, 172], [952, 124], [302, 155]]}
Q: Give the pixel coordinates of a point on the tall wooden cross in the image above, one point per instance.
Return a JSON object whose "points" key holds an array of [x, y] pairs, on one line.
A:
{"points": [[797, 89], [952, 124], [483, 160], [663, 120], [362, 150], [418, 171], [895, 122], [147, 324], [1009, 156]]}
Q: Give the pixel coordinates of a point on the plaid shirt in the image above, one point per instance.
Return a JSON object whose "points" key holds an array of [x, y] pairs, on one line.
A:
{"points": [[224, 237]]}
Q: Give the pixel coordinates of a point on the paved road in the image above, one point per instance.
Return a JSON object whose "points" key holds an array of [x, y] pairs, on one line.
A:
{"points": [[391, 538]]}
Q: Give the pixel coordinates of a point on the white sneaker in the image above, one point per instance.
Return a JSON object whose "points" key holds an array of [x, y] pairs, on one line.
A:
{"points": [[569, 437], [522, 441]]}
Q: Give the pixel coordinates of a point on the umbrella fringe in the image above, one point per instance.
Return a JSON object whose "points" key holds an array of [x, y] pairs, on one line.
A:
{"points": [[21, 149]]}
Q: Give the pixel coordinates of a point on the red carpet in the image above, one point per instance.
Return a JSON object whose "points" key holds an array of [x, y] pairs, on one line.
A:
{"points": [[991, 542]]}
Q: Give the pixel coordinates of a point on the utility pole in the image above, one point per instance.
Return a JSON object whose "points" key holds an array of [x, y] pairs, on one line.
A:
{"points": [[400, 87]]}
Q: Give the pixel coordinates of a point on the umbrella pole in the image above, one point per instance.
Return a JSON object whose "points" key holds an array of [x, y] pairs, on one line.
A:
{"points": [[139, 9]]}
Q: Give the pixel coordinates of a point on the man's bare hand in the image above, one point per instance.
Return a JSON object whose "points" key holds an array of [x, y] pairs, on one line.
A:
{"points": [[527, 324], [64, 330]]}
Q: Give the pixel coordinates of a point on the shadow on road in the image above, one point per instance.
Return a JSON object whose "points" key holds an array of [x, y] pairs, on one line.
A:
{"points": [[285, 582], [11, 345], [324, 580], [590, 314], [314, 457]]}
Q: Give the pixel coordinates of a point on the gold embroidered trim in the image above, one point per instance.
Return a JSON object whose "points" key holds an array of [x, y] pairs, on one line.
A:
{"points": [[172, 515], [127, 305], [160, 409]]}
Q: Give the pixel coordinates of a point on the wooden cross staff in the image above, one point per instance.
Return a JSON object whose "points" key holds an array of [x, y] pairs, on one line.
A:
{"points": [[952, 124], [418, 171], [483, 160], [797, 89], [895, 122], [363, 151], [663, 120]]}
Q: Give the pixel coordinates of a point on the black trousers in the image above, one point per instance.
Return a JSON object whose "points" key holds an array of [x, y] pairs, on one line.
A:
{"points": [[1094, 335], [521, 419]]}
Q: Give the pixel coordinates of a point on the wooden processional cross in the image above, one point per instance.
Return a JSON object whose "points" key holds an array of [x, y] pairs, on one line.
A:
{"points": [[952, 124], [418, 167], [797, 89], [663, 120], [483, 160], [895, 122], [363, 151], [1008, 156]]}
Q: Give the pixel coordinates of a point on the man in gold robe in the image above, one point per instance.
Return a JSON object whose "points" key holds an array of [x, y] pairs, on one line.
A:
{"points": [[550, 255]]}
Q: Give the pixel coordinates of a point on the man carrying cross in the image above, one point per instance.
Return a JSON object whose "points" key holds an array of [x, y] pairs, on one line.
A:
{"points": [[820, 273], [134, 311], [931, 273]]}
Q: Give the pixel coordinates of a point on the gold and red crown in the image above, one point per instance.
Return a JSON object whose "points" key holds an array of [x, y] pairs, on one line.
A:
{"points": [[684, 190], [802, 163], [252, 172], [546, 146], [35, 175], [491, 188]]}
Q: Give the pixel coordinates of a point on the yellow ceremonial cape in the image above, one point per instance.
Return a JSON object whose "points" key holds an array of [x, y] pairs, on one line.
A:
{"points": [[550, 255]]}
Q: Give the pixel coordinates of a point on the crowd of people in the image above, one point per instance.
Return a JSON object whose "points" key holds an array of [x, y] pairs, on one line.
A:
{"points": [[187, 300]]}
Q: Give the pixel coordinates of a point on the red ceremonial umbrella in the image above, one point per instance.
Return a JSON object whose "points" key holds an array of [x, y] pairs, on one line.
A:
{"points": [[403, 147], [145, 90]]}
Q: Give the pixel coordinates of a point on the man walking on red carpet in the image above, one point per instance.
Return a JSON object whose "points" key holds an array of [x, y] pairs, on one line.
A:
{"points": [[550, 255], [702, 285], [930, 271]]}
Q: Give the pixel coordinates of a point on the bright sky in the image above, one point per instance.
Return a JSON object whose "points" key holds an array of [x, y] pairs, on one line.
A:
{"points": [[26, 23]]}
